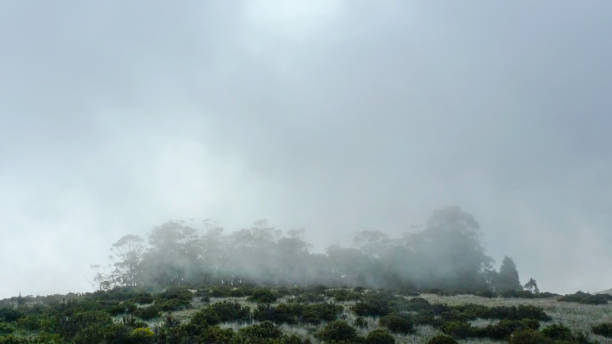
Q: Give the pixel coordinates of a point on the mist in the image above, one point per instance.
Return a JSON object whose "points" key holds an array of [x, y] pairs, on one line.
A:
{"points": [[331, 117]]}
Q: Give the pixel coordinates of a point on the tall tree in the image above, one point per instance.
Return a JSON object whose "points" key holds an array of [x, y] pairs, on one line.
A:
{"points": [[508, 277], [127, 253]]}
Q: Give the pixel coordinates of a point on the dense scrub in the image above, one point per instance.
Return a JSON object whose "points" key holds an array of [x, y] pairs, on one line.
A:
{"points": [[586, 298], [604, 329], [252, 314]]}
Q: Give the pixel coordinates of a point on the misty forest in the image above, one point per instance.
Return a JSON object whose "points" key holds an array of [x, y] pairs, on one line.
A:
{"points": [[426, 172]]}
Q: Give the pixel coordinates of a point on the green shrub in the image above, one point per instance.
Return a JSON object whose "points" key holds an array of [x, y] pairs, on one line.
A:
{"points": [[558, 332], [372, 306], [230, 311], [337, 331], [215, 334], [263, 296], [360, 322], [504, 328], [319, 312], [442, 339], [9, 314], [144, 298], [123, 308], [529, 337], [141, 335], [147, 313], [6, 328], [379, 336], [396, 323], [458, 329], [586, 298], [603, 330], [172, 304], [262, 330]]}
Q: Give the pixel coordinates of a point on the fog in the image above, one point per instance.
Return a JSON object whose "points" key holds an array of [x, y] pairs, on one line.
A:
{"points": [[329, 116]]}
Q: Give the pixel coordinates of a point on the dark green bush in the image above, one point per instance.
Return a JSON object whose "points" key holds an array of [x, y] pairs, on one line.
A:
{"points": [[293, 313], [319, 312], [397, 323], [459, 329], [341, 295], [504, 328], [379, 336], [6, 328], [147, 313], [9, 314], [337, 331], [123, 308], [144, 298], [442, 339], [262, 330], [529, 337], [558, 332], [360, 322], [172, 304], [372, 306], [586, 298], [215, 334], [230, 311], [604, 329], [263, 296]]}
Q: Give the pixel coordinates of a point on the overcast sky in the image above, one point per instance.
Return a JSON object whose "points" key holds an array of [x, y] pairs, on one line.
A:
{"points": [[328, 115]]}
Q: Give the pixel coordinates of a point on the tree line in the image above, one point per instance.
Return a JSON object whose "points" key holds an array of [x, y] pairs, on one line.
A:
{"points": [[446, 254]]}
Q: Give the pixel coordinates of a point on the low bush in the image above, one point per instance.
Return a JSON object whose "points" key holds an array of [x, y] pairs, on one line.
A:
{"points": [[6, 328], [397, 323], [263, 296], [442, 339], [379, 336], [337, 331], [504, 328], [372, 306], [293, 313], [558, 332], [230, 311], [586, 298], [147, 313], [604, 329], [529, 337], [459, 329], [360, 322], [262, 330]]}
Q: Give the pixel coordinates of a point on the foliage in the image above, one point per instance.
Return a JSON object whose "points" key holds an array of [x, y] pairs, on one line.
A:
{"points": [[379, 336], [263, 295], [459, 329], [293, 313], [360, 322], [604, 329], [529, 337], [442, 339], [586, 298], [337, 331], [396, 323], [507, 278]]}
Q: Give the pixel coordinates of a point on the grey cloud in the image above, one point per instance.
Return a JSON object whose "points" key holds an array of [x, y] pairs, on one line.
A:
{"points": [[331, 116]]}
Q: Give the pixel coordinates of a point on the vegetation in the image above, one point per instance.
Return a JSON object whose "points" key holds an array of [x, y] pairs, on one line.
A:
{"points": [[586, 298], [134, 315], [604, 329], [446, 255]]}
